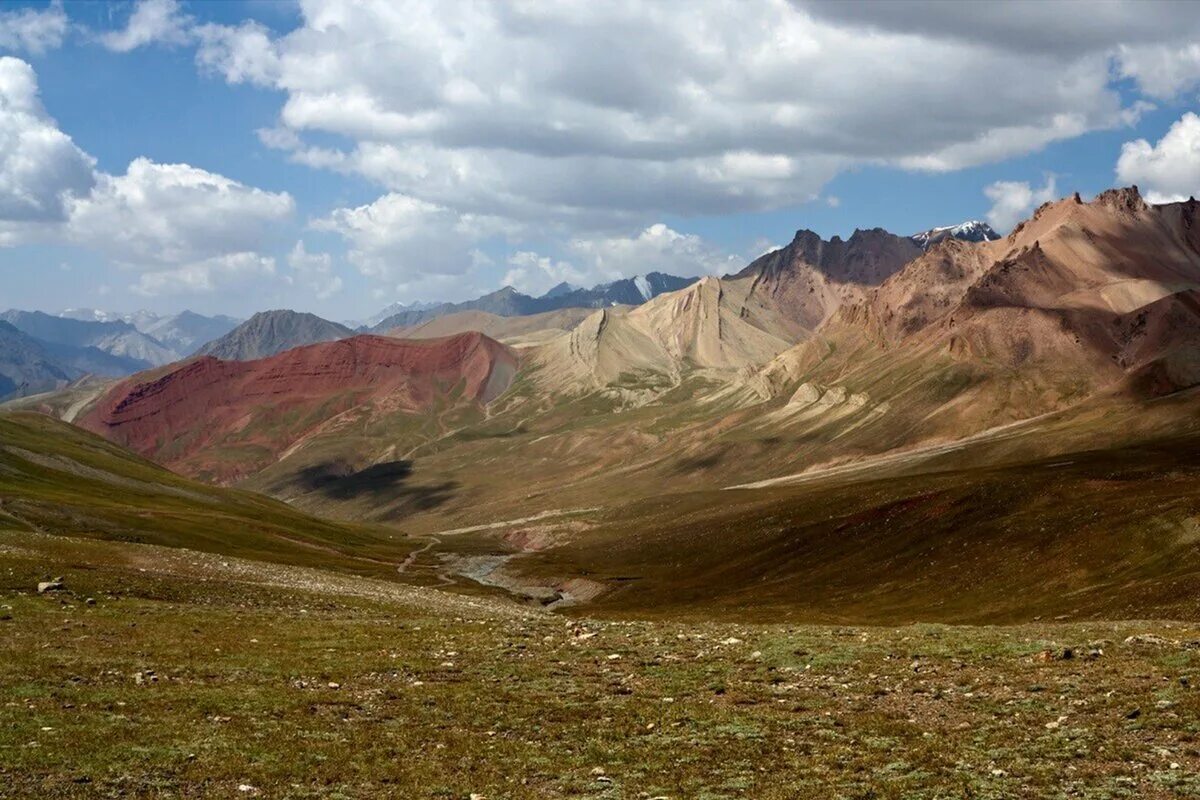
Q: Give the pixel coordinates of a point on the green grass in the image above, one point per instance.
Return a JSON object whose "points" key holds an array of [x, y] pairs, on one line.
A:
{"points": [[59, 479], [190, 677], [212, 639]]}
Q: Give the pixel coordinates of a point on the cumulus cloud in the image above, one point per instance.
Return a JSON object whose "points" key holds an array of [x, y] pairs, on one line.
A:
{"points": [[183, 228], [242, 54], [600, 116], [1013, 201], [40, 167], [33, 30], [1162, 71], [658, 248], [534, 274], [172, 214], [403, 237], [206, 275], [593, 260], [1169, 170], [315, 270], [151, 22]]}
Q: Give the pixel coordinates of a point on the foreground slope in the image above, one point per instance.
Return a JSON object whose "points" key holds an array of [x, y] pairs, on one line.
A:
{"points": [[55, 478], [210, 675], [158, 670]]}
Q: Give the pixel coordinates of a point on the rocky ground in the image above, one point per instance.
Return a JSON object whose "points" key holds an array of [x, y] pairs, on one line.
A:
{"points": [[163, 673]]}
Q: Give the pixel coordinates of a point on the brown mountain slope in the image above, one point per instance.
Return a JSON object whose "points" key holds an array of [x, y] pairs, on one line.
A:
{"points": [[226, 419], [1106, 289], [719, 327], [811, 278]]}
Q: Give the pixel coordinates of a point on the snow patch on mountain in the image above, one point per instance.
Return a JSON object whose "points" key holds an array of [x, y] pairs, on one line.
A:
{"points": [[643, 287], [970, 231]]}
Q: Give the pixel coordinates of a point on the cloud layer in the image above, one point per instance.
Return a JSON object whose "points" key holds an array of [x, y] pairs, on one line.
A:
{"points": [[184, 228]]}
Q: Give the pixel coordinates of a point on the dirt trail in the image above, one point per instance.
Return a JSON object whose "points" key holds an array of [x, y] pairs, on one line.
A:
{"points": [[558, 512], [914, 456], [442, 575]]}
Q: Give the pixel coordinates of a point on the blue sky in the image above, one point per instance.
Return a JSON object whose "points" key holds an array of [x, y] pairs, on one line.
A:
{"points": [[335, 157]]}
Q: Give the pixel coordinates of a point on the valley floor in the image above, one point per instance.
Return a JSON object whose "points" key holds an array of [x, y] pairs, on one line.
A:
{"points": [[166, 672]]}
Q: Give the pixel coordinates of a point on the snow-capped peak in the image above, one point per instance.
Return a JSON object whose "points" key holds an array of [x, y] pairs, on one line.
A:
{"points": [[970, 231], [643, 286]]}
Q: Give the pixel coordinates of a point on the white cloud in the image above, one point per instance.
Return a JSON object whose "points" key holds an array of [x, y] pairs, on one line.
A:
{"points": [[1162, 71], [151, 22], [316, 270], [242, 54], [535, 275], [33, 30], [184, 228], [1012, 201], [205, 276], [1167, 171], [597, 116], [173, 214], [602, 259], [403, 237], [39, 164], [658, 248]]}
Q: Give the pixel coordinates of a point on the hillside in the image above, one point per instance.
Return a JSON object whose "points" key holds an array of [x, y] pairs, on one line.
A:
{"points": [[224, 420], [56, 478], [270, 332], [720, 327]]}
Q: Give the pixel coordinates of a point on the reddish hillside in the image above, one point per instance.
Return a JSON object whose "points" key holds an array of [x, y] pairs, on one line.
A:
{"points": [[255, 410]]}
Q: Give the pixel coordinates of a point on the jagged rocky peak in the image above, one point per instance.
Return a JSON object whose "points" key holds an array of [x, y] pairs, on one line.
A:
{"points": [[1127, 198]]}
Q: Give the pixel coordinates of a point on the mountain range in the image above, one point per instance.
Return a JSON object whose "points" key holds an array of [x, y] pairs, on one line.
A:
{"points": [[508, 302], [817, 372], [81, 342]]}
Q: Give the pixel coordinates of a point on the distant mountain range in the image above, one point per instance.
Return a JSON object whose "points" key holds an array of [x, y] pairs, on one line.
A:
{"points": [[42, 351], [508, 302], [184, 333]]}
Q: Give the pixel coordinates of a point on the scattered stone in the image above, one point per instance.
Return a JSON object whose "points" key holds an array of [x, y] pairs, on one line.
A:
{"points": [[1134, 714], [55, 585], [1148, 639]]}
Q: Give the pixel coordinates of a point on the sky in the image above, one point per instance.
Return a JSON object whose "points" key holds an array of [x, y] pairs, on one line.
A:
{"points": [[337, 156]]}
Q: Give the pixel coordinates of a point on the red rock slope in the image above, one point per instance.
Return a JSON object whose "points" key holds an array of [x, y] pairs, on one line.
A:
{"points": [[225, 419]]}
